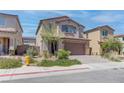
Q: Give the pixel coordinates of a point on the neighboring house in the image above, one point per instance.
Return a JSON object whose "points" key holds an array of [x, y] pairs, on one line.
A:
{"points": [[10, 33], [97, 36], [121, 38], [71, 35], [31, 41]]}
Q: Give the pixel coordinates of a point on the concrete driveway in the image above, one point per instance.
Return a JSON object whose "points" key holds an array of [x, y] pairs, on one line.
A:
{"points": [[89, 59]]}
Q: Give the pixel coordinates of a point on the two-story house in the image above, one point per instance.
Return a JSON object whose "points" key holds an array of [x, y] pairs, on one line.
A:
{"points": [[31, 41], [121, 38], [97, 36], [71, 35], [10, 33]]}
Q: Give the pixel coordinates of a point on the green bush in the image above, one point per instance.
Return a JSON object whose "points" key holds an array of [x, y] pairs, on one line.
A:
{"points": [[59, 62], [6, 63], [32, 52], [63, 54]]}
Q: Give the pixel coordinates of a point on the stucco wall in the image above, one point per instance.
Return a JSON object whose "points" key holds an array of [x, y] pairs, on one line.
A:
{"points": [[78, 34], [11, 22], [94, 36]]}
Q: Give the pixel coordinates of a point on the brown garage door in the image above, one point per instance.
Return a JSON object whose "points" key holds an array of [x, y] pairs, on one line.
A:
{"points": [[75, 48]]}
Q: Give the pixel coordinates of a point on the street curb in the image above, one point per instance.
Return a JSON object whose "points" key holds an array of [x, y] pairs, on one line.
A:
{"points": [[28, 73]]}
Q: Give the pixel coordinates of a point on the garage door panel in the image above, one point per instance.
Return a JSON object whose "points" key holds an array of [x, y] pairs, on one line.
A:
{"points": [[75, 48]]}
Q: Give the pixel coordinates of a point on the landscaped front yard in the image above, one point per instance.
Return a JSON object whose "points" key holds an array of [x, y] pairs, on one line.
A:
{"points": [[61, 59], [7, 63]]}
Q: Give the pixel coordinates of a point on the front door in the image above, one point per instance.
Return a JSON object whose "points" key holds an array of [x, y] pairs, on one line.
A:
{"points": [[53, 47]]}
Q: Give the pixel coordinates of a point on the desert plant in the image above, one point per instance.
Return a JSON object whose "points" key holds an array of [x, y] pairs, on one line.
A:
{"points": [[46, 54], [112, 56], [110, 45], [7, 63], [32, 52], [110, 48], [63, 54], [49, 34]]}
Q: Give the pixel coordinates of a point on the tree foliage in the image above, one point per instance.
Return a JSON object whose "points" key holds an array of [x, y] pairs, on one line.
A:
{"points": [[112, 44], [49, 32]]}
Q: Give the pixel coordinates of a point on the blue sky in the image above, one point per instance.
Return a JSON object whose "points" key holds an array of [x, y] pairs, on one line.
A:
{"points": [[89, 18]]}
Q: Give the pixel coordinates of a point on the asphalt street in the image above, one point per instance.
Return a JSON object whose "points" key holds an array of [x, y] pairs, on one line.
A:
{"points": [[115, 75]]}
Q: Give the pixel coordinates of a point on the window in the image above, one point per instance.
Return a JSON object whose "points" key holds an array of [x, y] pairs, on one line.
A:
{"points": [[104, 33], [86, 35], [123, 38], [2, 21], [64, 28], [68, 28]]}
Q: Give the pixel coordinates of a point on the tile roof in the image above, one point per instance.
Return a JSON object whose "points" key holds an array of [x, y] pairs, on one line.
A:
{"points": [[99, 27], [121, 35], [8, 30], [60, 17], [16, 18]]}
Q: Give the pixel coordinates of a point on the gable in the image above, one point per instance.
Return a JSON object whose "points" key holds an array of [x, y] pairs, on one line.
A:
{"points": [[58, 20]]}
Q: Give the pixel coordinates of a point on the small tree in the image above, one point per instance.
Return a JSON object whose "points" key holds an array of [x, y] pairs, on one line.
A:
{"points": [[111, 45], [49, 33]]}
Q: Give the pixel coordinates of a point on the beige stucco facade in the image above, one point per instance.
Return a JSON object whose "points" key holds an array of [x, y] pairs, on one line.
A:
{"points": [[10, 33], [95, 36], [76, 40], [93, 44]]}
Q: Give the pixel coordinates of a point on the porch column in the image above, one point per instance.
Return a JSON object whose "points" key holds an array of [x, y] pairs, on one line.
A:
{"points": [[87, 49], [11, 43], [1, 46], [60, 45]]}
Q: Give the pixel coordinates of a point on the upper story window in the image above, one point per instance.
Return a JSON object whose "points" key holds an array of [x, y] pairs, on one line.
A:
{"points": [[86, 35], [104, 33], [68, 28], [2, 21]]}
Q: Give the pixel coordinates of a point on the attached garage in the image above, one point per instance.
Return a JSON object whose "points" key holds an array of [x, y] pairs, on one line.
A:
{"points": [[75, 48]]}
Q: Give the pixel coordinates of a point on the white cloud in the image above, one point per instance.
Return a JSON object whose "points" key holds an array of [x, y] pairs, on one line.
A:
{"points": [[59, 12], [107, 17]]}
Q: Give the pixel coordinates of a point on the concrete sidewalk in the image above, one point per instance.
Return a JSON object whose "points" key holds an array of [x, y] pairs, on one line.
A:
{"points": [[31, 71]]}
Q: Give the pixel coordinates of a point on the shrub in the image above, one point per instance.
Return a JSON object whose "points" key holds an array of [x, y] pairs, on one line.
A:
{"points": [[67, 62], [63, 54], [106, 55], [111, 56], [59, 62], [32, 52], [6, 63], [46, 63], [46, 54], [33, 61], [111, 44]]}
